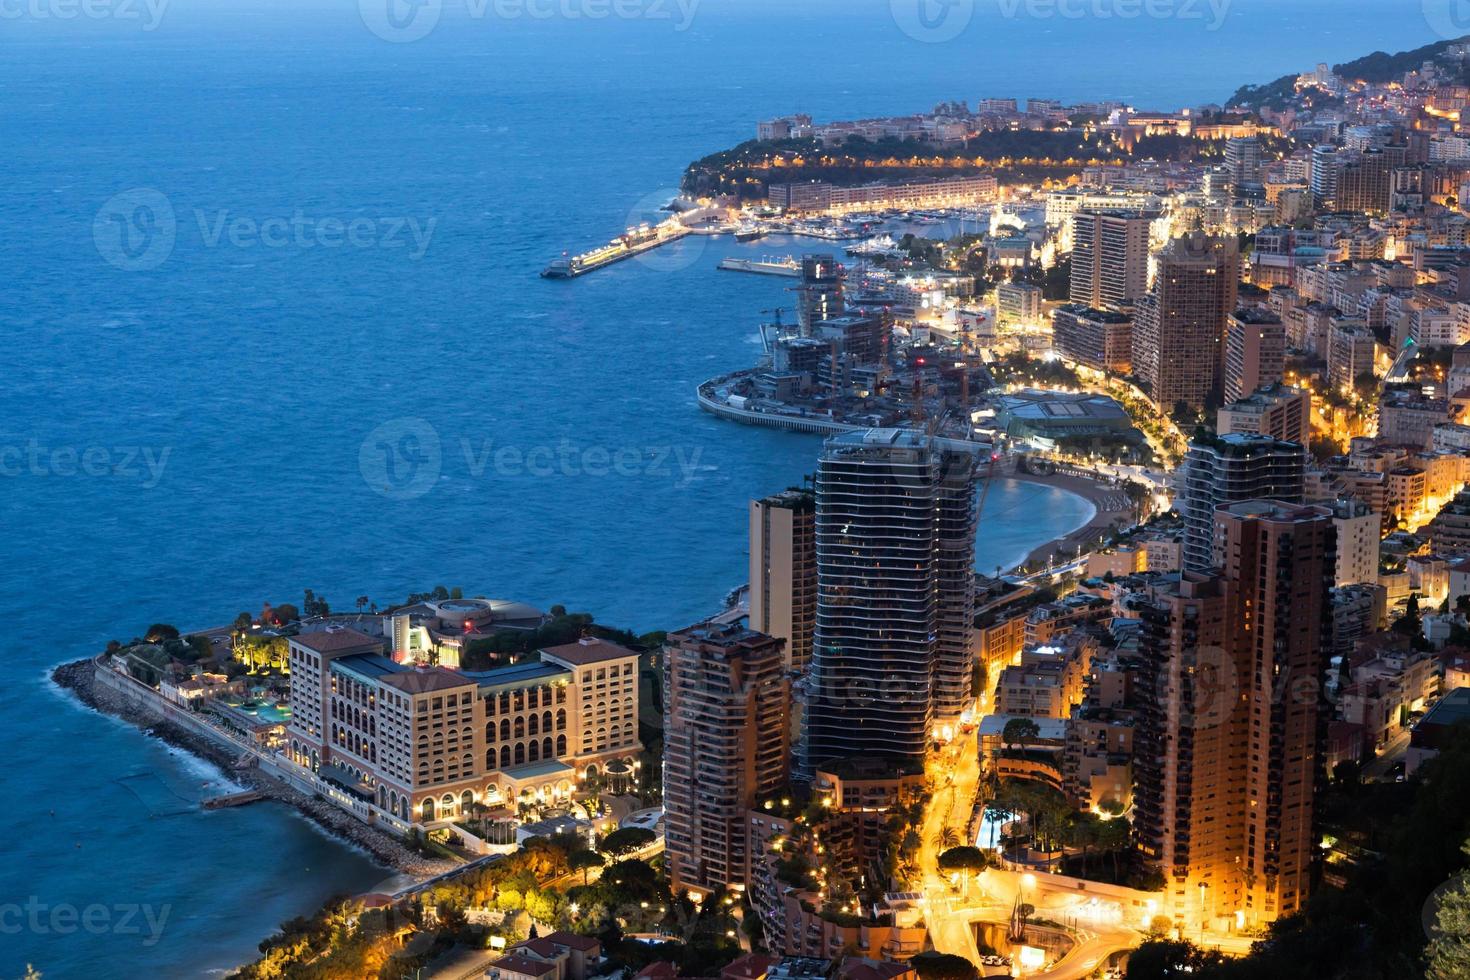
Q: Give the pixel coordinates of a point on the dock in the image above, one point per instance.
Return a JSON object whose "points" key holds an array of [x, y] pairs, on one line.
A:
{"points": [[787, 267], [233, 799]]}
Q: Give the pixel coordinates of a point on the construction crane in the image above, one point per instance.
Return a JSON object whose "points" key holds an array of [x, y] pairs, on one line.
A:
{"points": [[917, 409], [765, 337]]}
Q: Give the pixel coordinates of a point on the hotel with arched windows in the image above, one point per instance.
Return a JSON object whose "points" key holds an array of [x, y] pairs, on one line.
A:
{"points": [[427, 745]]}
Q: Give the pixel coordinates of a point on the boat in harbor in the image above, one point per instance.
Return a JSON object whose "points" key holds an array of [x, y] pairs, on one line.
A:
{"points": [[634, 241], [749, 232], [881, 246]]}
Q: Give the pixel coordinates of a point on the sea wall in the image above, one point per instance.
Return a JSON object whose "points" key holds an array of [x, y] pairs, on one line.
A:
{"points": [[108, 691]]}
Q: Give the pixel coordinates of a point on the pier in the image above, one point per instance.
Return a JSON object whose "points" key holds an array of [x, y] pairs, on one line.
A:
{"points": [[233, 799], [787, 267]]}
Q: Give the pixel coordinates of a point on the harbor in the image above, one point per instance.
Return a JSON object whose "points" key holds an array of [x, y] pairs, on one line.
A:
{"points": [[635, 241]]}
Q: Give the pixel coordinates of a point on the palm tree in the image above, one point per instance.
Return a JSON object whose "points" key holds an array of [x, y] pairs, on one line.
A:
{"points": [[1114, 836], [949, 837]]}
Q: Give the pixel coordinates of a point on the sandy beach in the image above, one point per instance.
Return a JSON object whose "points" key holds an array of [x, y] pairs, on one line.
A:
{"points": [[1110, 504]]}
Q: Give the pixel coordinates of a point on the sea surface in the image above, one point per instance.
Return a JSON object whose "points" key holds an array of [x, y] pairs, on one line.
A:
{"points": [[271, 322]]}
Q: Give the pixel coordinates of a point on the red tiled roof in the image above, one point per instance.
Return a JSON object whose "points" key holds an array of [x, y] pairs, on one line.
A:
{"points": [[424, 681], [661, 970], [751, 966], [524, 964], [539, 946], [330, 641], [588, 650], [573, 941]]}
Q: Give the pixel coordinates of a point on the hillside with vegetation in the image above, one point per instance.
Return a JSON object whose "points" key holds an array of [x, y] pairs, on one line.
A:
{"points": [[1380, 66], [745, 170]]}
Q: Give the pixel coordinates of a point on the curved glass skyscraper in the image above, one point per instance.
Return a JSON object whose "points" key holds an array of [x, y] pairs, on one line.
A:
{"points": [[892, 652]]}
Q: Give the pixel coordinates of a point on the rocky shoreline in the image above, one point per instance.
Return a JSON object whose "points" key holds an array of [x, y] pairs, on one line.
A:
{"points": [[78, 678]]}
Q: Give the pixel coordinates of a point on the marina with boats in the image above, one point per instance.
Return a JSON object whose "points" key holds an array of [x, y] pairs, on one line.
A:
{"points": [[871, 234]]}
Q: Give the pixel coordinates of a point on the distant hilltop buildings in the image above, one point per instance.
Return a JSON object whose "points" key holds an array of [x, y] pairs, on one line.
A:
{"points": [[954, 122]]}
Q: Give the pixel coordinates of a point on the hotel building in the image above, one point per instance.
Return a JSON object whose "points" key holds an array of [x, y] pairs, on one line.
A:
{"points": [[425, 744]]}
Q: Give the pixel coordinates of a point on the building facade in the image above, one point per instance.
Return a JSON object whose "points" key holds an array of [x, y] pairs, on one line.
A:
{"points": [[1228, 468], [426, 744], [726, 742], [893, 648], [1277, 411], [1228, 750], [1178, 326], [1255, 352], [1109, 257], [1099, 339], [783, 571]]}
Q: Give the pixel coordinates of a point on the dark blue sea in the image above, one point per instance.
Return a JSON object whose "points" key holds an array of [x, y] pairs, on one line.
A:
{"points": [[271, 321]]}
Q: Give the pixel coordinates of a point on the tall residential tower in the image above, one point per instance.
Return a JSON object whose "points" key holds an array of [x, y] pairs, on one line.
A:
{"points": [[1109, 257], [893, 651], [1223, 469], [1178, 327], [783, 571], [1228, 750], [726, 741]]}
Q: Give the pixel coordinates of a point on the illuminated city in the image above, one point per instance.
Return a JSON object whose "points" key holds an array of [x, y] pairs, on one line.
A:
{"points": [[1213, 727]]}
